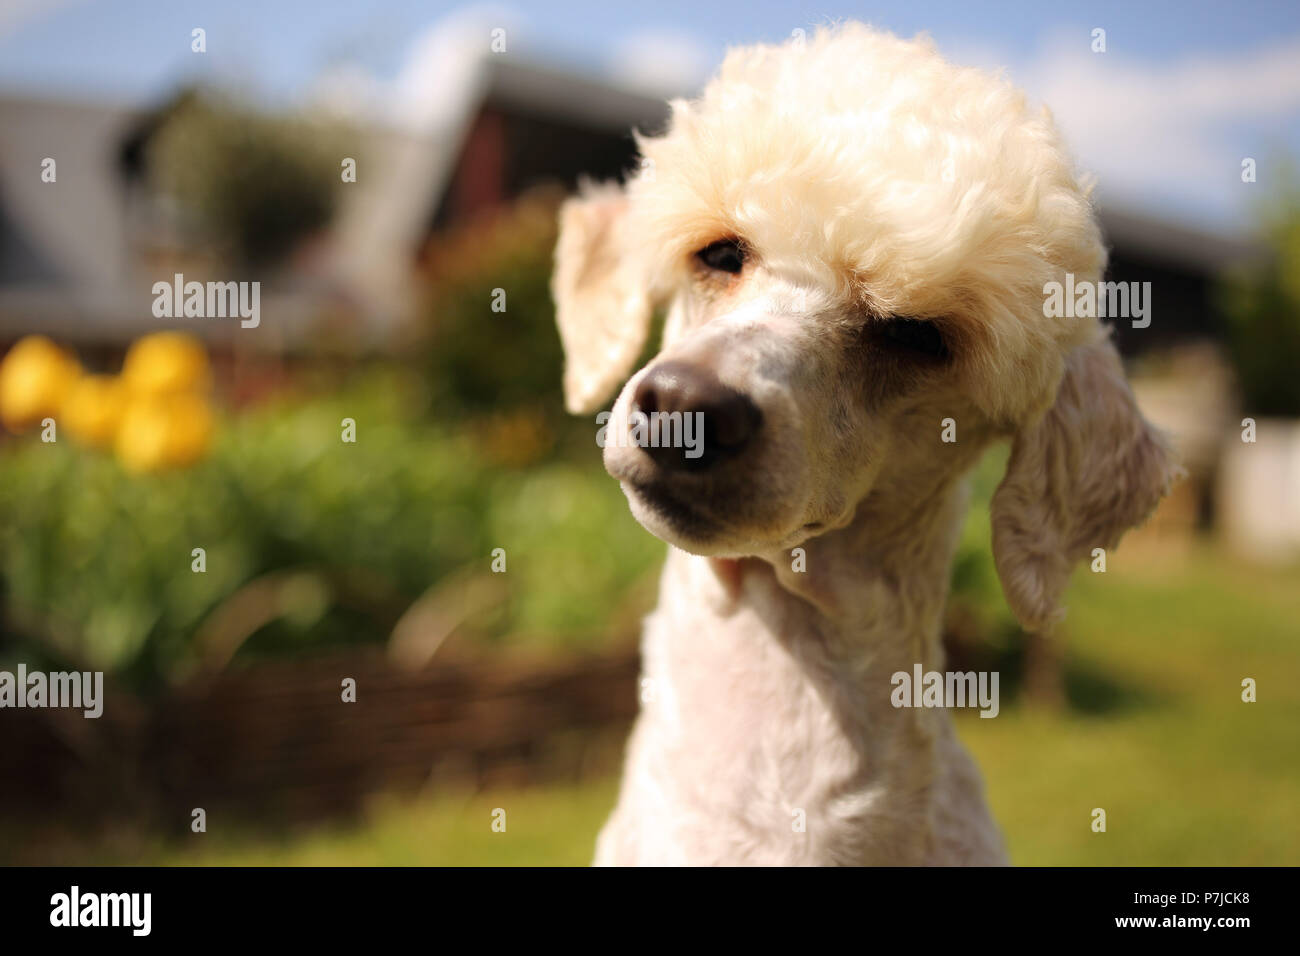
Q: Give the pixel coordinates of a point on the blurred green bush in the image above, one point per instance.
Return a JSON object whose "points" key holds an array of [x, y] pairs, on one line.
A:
{"points": [[977, 612], [487, 334], [96, 562]]}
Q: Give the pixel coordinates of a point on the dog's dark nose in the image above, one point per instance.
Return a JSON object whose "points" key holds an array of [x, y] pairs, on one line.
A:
{"points": [[715, 421]]}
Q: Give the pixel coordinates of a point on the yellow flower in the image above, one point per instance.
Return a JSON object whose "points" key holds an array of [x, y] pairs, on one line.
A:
{"points": [[34, 378], [190, 432], [164, 363], [164, 432], [93, 408]]}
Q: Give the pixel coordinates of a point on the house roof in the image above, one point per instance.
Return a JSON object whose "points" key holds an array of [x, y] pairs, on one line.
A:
{"points": [[1148, 237], [545, 90]]}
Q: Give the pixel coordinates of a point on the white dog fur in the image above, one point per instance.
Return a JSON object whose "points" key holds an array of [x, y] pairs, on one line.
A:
{"points": [[864, 178]]}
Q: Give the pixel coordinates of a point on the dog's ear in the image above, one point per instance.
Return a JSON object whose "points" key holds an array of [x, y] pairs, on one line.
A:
{"points": [[602, 305], [1091, 468]]}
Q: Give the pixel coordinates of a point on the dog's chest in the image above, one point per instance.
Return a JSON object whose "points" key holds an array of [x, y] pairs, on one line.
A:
{"points": [[743, 753]]}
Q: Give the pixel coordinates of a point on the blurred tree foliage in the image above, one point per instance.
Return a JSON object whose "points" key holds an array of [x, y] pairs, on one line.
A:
{"points": [[253, 184], [488, 330], [1262, 302]]}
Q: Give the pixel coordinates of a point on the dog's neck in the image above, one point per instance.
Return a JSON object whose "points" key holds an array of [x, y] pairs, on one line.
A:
{"points": [[774, 683], [859, 604], [890, 564]]}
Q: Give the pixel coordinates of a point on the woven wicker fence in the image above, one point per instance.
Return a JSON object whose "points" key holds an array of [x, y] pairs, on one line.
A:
{"points": [[275, 741]]}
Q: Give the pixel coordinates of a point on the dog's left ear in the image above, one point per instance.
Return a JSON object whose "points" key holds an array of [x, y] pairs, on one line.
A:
{"points": [[1091, 468], [602, 305]]}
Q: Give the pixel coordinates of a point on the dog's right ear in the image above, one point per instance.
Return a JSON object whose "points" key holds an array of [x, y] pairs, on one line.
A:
{"points": [[602, 304]]}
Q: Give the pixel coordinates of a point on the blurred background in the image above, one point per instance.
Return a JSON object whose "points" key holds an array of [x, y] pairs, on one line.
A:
{"points": [[506, 678]]}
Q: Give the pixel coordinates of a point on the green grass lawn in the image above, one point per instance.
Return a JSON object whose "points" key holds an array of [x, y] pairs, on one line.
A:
{"points": [[550, 826], [1186, 772]]}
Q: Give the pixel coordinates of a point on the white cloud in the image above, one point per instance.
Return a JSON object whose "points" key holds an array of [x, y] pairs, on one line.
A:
{"points": [[662, 62], [444, 65], [437, 81], [1169, 134]]}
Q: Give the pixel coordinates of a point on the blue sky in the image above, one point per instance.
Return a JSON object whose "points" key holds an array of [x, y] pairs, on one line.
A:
{"points": [[1163, 117]]}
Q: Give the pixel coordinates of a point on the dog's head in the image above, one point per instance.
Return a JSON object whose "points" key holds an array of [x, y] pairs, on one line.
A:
{"points": [[852, 239]]}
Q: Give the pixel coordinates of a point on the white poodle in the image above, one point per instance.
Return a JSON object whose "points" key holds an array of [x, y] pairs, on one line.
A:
{"points": [[852, 240]]}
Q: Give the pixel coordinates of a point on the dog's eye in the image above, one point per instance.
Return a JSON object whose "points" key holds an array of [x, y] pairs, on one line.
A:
{"points": [[725, 255], [914, 336]]}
